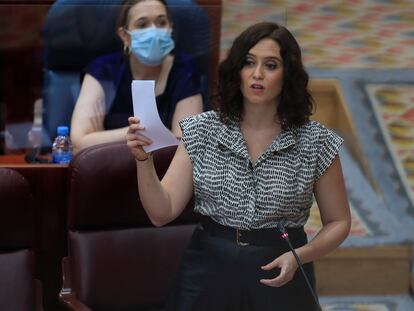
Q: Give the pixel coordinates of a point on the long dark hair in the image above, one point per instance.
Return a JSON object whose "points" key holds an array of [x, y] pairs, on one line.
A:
{"points": [[295, 102]]}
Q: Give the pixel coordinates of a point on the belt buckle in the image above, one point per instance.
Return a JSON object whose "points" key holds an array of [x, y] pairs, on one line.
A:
{"points": [[238, 240]]}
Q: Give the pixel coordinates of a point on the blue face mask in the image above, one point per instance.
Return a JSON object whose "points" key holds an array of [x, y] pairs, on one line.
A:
{"points": [[151, 45]]}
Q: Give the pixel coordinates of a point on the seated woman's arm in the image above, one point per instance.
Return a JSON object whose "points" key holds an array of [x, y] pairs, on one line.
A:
{"points": [[89, 114], [88, 117], [186, 107]]}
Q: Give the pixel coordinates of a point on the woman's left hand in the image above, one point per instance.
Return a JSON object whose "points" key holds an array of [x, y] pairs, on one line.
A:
{"points": [[287, 265]]}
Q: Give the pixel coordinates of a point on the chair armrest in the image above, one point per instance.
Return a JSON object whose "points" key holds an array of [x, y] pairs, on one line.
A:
{"points": [[67, 296]]}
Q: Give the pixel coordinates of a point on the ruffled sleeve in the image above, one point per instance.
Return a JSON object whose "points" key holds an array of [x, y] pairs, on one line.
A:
{"points": [[328, 148], [191, 136]]}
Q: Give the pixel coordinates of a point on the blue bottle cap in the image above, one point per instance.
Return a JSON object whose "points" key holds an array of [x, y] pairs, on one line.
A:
{"points": [[62, 130]]}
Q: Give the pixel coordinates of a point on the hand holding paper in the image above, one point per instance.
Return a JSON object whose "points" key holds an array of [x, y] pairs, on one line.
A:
{"points": [[145, 108]]}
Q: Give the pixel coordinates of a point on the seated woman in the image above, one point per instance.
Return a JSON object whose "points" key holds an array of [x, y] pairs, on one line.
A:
{"points": [[105, 100]]}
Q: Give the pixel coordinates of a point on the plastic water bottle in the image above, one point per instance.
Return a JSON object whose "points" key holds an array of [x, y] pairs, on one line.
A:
{"points": [[62, 146]]}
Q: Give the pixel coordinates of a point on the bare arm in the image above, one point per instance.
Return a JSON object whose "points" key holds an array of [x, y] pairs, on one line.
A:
{"points": [[88, 117], [187, 107], [162, 200], [330, 194]]}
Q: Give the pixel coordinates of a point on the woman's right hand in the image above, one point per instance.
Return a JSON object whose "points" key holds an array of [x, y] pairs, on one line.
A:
{"points": [[135, 140]]}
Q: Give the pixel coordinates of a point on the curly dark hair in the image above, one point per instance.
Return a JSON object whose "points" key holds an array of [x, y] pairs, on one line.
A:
{"points": [[295, 102]]}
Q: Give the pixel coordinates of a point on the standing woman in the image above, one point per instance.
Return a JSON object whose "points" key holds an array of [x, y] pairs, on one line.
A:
{"points": [[256, 162], [105, 101]]}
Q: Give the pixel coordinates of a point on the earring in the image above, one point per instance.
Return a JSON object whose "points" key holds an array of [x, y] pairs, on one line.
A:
{"points": [[127, 50]]}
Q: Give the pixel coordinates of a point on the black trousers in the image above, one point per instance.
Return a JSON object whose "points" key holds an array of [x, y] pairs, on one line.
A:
{"points": [[219, 274]]}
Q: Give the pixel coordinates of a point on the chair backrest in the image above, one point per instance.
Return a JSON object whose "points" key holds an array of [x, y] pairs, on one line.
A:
{"points": [[18, 287], [76, 31], [117, 259]]}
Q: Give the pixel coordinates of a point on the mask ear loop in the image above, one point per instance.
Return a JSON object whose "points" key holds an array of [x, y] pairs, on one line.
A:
{"points": [[127, 48]]}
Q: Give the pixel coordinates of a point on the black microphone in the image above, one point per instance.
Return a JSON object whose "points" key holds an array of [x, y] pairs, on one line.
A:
{"points": [[285, 236]]}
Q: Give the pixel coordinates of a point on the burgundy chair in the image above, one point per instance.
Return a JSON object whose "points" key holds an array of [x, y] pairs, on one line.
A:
{"points": [[117, 260], [19, 290]]}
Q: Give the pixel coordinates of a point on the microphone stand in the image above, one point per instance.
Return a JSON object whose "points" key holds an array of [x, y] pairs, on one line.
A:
{"points": [[285, 236]]}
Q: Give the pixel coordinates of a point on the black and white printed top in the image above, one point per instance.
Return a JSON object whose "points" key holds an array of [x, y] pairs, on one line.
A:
{"points": [[278, 187]]}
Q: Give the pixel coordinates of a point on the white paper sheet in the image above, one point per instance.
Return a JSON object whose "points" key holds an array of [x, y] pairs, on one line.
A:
{"points": [[145, 108]]}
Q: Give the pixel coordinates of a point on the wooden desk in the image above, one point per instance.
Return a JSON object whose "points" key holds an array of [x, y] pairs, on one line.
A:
{"points": [[49, 188], [7, 160]]}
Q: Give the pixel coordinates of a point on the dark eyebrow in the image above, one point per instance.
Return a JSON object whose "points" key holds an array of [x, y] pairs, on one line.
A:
{"points": [[140, 20], [274, 58], [266, 58], [145, 18]]}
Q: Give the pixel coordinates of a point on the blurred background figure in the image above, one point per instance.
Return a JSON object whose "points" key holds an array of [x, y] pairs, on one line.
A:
{"points": [[105, 101]]}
